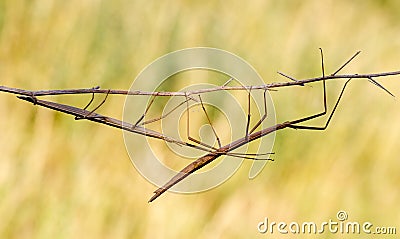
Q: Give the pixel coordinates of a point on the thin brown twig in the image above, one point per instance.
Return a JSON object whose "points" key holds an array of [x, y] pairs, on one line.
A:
{"points": [[194, 92]]}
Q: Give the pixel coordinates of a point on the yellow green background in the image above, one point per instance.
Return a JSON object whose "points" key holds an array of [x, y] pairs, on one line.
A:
{"points": [[65, 179]]}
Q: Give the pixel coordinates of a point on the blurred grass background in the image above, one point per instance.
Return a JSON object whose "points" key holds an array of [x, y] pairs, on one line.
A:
{"points": [[65, 179]]}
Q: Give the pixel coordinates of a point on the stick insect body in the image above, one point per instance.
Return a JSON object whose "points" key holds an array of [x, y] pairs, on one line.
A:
{"points": [[249, 136]]}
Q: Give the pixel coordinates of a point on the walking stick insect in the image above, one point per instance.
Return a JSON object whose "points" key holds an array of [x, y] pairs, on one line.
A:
{"points": [[212, 153], [250, 136]]}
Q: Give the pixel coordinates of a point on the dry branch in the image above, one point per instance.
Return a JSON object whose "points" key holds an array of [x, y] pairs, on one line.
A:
{"points": [[269, 86], [211, 152]]}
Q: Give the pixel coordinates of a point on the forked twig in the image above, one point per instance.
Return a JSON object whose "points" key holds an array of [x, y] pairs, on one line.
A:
{"points": [[212, 152]]}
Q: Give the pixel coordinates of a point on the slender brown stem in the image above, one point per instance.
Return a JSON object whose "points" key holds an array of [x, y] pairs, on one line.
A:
{"points": [[194, 92]]}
